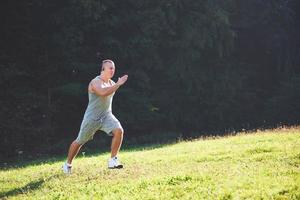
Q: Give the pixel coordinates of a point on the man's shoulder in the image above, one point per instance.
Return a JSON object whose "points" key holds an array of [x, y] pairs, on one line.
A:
{"points": [[96, 80]]}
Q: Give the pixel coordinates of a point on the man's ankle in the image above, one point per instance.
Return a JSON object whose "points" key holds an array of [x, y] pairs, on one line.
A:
{"points": [[113, 156]]}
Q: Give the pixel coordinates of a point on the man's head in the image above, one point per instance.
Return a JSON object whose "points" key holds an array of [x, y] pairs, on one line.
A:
{"points": [[108, 68]]}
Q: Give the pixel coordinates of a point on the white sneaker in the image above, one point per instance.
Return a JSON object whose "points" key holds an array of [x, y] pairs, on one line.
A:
{"points": [[114, 163], [67, 168]]}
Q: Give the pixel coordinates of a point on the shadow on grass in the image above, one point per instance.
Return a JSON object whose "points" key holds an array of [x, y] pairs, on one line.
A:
{"points": [[34, 185]]}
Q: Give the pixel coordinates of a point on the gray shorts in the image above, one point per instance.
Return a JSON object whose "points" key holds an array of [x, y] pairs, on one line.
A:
{"points": [[88, 127]]}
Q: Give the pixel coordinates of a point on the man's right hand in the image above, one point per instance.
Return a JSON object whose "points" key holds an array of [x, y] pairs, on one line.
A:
{"points": [[122, 80]]}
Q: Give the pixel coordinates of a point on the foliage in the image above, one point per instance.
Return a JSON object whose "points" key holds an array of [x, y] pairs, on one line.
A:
{"points": [[193, 66]]}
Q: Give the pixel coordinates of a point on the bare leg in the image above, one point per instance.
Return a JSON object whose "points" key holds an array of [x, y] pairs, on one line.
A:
{"points": [[116, 141], [73, 151]]}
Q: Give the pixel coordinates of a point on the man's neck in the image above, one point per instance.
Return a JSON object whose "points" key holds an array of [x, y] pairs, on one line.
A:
{"points": [[104, 78]]}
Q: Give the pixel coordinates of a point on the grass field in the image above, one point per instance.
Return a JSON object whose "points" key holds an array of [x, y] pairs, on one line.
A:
{"points": [[256, 165]]}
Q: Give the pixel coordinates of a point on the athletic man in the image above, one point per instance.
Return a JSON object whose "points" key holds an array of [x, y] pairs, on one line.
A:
{"points": [[98, 116]]}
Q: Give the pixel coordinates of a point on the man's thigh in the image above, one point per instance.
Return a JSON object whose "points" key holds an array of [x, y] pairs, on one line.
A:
{"points": [[87, 130]]}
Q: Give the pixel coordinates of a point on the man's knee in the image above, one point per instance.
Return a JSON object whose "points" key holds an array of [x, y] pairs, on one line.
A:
{"points": [[118, 131], [76, 143], [81, 141]]}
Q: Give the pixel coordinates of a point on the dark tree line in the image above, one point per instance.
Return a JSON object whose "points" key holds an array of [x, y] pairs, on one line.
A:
{"points": [[194, 66]]}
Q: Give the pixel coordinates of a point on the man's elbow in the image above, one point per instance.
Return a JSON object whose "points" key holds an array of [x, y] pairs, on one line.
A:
{"points": [[102, 93], [105, 94]]}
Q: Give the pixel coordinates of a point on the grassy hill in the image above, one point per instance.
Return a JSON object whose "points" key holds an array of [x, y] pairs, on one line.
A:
{"points": [[256, 165]]}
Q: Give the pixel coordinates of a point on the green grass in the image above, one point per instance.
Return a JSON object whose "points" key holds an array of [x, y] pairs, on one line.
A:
{"points": [[257, 165]]}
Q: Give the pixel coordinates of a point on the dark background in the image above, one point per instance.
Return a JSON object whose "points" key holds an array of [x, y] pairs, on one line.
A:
{"points": [[195, 68]]}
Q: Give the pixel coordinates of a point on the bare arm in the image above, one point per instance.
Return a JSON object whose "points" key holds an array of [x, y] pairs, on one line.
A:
{"points": [[96, 86]]}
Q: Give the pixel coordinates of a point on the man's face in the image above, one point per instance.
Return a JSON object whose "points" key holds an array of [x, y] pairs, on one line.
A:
{"points": [[109, 69]]}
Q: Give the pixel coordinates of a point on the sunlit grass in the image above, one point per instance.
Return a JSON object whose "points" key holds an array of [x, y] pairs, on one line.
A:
{"points": [[257, 165]]}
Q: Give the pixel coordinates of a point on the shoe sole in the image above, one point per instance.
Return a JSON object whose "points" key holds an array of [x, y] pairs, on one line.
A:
{"points": [[116, 167]]}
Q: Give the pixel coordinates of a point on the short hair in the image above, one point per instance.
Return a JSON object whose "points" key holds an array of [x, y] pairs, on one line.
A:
{"points": [[106, 61]]}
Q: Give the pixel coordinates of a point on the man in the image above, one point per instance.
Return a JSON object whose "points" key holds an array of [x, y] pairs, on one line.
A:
{"points": [[98, 116]]}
